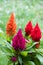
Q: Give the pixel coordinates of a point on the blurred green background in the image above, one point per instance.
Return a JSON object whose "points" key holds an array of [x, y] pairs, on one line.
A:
{"points": [[24, 10]]}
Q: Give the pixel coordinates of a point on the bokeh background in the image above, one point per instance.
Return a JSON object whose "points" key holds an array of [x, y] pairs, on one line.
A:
{"points": [[24, 10]]}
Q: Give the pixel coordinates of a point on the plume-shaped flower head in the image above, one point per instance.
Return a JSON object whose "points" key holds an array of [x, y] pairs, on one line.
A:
{"points": [[18, 41], [28, 28], [13, 59], [11, 26], [36, 33]]}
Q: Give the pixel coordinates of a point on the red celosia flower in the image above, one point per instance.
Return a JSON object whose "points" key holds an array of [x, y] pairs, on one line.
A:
{"points": [[18, 42], [28, 28], [11, 26], [13, 59], [36, 33]]}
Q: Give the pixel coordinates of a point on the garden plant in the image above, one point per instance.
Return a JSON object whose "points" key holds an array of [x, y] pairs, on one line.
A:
{"points": [[22, 46]]}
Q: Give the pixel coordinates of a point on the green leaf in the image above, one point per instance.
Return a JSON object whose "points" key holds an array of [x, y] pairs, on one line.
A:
{"points": [[2, 35], [32, 45], [10, 62], [40, 58], [24, 53], [7, 48], [3, 59], [9, 39], [39, 51], [32, 50], [37, 62], [29, 63], [20, 60], [26, 58]]}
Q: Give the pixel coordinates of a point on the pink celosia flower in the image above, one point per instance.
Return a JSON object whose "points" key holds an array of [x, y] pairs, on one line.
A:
{"points": [[13, 59], [18, 41]]}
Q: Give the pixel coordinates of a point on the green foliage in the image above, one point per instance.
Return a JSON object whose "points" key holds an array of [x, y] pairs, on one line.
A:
{"points": [[29, 63], [20, 60], [24, 11]]}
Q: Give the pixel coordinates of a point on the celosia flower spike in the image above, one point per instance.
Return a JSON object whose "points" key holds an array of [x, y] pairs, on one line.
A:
{"points": [[13, 59], [18, 42], [11, 26], [28, 28], [36, 33]]}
